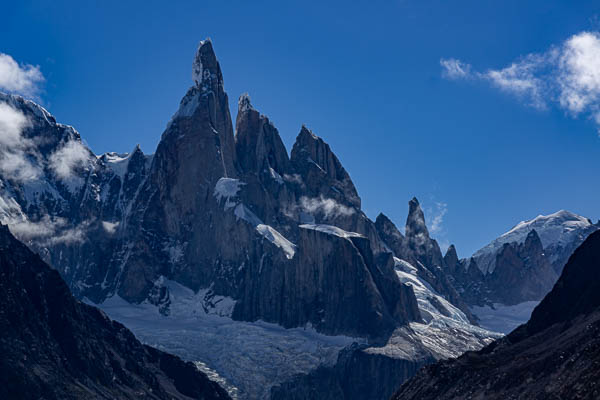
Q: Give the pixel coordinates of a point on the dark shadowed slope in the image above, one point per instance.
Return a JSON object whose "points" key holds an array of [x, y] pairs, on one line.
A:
{"points": [[556, 355], [55, 347]]}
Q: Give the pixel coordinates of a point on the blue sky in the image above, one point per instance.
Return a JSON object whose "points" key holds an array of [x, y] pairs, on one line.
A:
{"points": [[480, 154]]}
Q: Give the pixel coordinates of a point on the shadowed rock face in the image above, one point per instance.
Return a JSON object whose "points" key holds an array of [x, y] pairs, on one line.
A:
{"points": [[54, 347], [357, 375], [553, 356], [522, 272]]}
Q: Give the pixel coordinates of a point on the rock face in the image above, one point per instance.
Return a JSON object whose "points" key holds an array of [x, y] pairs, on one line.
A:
{"points": [[212, 210], [553, 356], [54, 347]]}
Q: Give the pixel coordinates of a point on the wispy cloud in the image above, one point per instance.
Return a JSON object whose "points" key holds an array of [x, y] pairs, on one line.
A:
{"points": [[455, 69], [326, 206], [48, 231], [23, 79], [566, 76], [437, 214]]}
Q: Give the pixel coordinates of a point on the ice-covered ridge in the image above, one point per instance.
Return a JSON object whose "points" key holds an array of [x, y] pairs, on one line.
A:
{"points": [[250, 356], [446, 331], [18, 102], [277, 239], [551, 228], [331, 230], [266, 231], [117, 162], [559, 228], [431, 304]]}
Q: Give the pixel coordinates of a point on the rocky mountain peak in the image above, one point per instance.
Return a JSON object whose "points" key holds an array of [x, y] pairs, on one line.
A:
{"points": [[313, 158], [244, 104], [206, 71], [259, 147], [415, 222], [451, 256]]}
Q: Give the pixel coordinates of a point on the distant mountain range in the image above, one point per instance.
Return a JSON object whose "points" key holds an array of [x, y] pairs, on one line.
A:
{"points": [[504, 280], [257, 265], [555, 355]]}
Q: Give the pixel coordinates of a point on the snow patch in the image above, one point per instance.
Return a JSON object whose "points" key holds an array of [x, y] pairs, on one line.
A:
{"points": [[110, 227], [331, 230], [227, 188], [266, 231], [277, 239]]}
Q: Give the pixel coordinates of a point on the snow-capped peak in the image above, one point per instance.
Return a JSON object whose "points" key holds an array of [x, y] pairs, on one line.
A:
{"points": [[559, 228], [568, 219]]}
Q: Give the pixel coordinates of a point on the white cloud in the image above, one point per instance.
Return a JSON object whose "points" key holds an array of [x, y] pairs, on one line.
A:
{"points": [[455, 69], [579, 72], [14, 161], [326, 206], [566, 76], [23, 79], [69, 157]]}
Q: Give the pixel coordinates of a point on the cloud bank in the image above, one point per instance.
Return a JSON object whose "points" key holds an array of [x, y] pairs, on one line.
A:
{"points": [[566, 76], [22, 79]]}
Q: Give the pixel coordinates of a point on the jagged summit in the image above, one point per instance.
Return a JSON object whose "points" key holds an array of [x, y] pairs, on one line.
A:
{"points": [[244, 103], [313, 156], [259, 147], [415, 222], [205, 68]]}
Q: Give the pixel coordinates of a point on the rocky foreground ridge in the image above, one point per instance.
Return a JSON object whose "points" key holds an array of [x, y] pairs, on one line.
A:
{"points": [[55, 347]]}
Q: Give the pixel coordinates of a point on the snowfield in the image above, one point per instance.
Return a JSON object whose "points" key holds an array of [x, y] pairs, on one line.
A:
{"points": [[247, 358], [503, 318]]}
